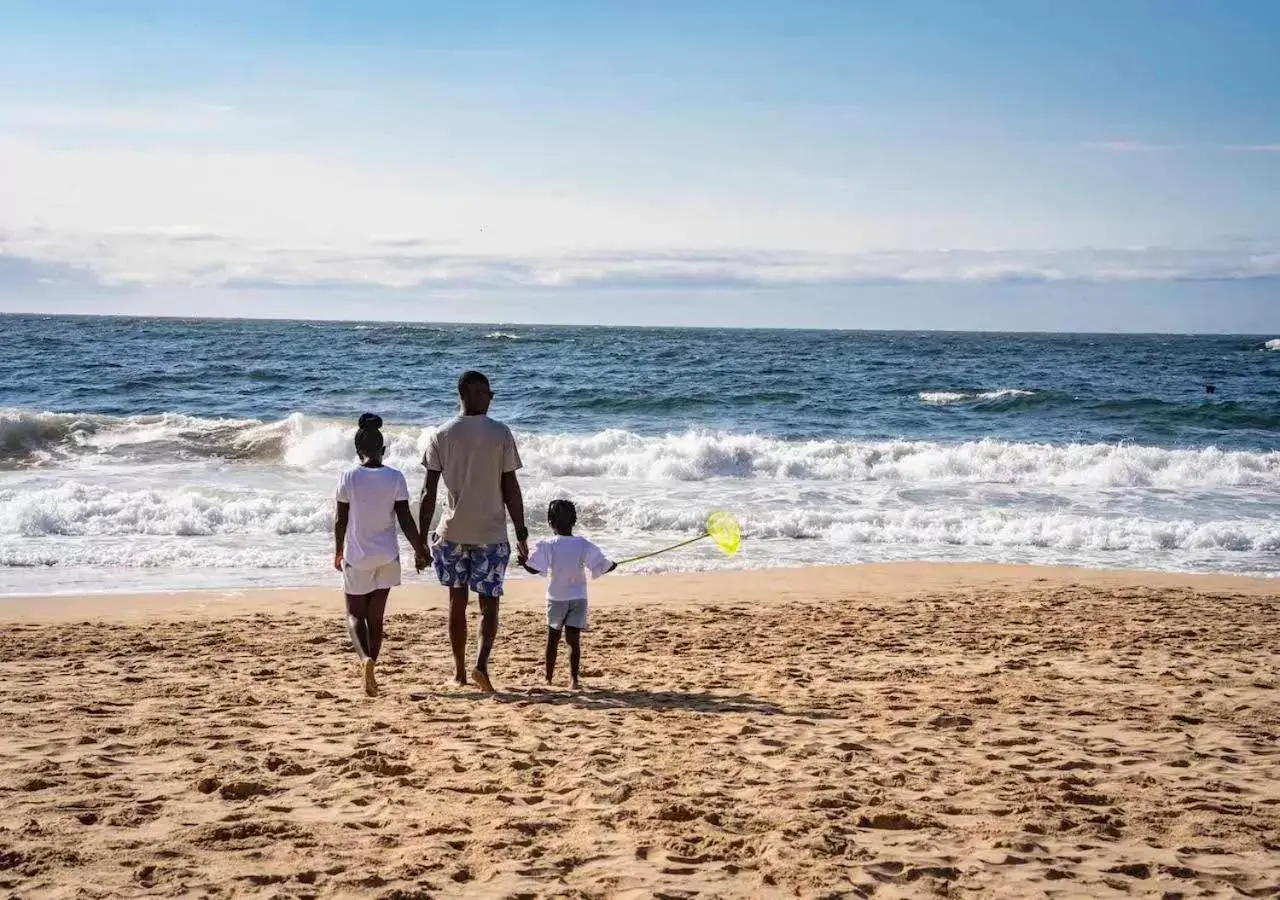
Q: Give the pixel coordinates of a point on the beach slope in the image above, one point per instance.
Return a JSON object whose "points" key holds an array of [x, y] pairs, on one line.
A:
{"points": [[904, 730]]}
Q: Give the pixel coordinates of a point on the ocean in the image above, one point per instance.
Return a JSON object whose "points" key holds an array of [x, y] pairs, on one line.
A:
{"points": [[150, 454]]}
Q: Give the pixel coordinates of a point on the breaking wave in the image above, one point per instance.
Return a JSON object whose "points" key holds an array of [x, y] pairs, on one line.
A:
{"points": [[946, 398], [40, 440]]}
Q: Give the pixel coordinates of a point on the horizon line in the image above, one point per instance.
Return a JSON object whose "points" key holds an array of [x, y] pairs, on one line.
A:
{"points": [[604, 326]]}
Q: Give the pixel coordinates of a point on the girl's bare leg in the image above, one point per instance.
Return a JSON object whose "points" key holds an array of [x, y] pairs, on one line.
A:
{"points": [[365, 615], [376, 612], [357, 609]]}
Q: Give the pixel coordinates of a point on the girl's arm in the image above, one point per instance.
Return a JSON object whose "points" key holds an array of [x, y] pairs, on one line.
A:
{"points": [[340, 533], [405, 518]]}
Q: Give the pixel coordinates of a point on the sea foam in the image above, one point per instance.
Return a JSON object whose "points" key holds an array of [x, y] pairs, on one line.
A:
{"points": [[310, 444], [946, 398]]}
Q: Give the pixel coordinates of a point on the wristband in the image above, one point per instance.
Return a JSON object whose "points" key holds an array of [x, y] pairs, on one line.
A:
{"points": [[522, 533]]}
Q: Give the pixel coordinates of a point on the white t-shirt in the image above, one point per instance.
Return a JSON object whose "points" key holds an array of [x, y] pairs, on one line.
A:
{"points": [[566, 560], [371, 527]]}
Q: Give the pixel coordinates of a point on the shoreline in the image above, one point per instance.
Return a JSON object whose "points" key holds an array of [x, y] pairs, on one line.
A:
{"points": [[763, 586]]}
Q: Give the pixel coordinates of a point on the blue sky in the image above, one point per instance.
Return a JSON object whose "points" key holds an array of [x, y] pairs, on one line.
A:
{"points": [[930, 164]]}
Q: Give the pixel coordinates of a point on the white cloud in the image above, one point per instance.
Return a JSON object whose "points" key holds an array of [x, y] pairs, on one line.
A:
{"points": [[210, 216], [212, 261], [312, 199]]}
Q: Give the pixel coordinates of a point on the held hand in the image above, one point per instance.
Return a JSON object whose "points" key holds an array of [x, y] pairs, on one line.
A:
{"points": [[337, 561], [522, 551], [420, 559]]}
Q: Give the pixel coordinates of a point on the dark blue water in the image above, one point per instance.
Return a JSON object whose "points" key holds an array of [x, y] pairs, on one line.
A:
{"points": [[791, 384]]}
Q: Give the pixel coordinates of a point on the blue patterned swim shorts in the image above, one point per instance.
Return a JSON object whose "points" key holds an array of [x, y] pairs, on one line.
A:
{"points": [[480, 567]]}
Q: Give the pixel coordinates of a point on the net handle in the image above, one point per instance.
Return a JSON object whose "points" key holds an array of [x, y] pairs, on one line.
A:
{"points": [[700, 537]]}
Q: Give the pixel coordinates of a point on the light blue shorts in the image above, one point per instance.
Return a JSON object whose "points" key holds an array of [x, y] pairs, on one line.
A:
{"points": [[567, 614]]}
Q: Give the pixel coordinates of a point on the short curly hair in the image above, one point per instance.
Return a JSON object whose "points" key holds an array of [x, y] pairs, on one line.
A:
{"points": [[561, 515]]}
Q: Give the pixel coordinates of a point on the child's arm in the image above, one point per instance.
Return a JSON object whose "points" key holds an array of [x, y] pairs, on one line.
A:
{"points": [[597, 563], [411, 533], [539, 561], [407, 525], [340, 517], [340, 533]]}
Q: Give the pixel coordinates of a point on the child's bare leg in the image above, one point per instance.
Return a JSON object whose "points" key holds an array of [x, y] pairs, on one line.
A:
{"points": [[359, 627], [357, 610], [553, 646], [376, 612], [573, 637]]}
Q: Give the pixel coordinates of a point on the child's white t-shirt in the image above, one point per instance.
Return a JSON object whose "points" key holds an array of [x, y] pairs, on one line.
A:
{"points": [[371, 526], [566, 559]]}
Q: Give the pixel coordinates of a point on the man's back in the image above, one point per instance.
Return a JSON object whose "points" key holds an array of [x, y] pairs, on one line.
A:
{"points": [[472, 453]]}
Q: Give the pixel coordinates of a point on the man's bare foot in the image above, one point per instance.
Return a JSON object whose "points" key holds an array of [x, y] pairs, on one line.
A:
{"points": [[575, 685], [370, 678], [482, 679], [460, 679]]}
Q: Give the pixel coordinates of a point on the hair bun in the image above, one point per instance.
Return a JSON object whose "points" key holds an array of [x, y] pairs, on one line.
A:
{"points": [[369, 420]]}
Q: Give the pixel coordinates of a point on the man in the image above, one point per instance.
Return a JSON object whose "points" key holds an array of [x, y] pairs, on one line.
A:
{"points": [[477, 459]]}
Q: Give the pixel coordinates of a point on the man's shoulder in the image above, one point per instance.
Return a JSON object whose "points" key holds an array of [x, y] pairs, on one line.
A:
{"points": [[497, 427], [479, 427], [444, 428]]}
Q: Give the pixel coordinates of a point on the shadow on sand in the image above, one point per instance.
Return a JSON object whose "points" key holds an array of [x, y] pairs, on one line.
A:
{"points": [[607, 698]]}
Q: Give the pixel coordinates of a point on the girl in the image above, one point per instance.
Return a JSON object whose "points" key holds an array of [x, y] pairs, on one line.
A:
{"points": [[566, 559], [371, 499]]}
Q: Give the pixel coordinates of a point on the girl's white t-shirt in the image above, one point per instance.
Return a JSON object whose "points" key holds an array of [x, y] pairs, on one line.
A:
{"points": [[371, 525], [566, 560]]}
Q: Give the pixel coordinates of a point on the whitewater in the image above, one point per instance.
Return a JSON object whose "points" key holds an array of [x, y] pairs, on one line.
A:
{"points": [[155, 478], [243, 502]]}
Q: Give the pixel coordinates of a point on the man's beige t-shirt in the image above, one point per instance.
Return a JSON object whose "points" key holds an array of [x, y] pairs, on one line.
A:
{"points": [[472, 453]]}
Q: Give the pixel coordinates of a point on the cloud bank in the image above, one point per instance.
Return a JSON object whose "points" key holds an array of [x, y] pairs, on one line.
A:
{"points": [[189, 256]]}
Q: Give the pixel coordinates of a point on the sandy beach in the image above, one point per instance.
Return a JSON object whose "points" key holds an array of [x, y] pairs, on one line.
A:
{"points": [[906, 730]]}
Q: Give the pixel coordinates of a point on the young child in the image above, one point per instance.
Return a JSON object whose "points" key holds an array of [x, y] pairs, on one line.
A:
{"points": [[371, 499], [566, 559]]}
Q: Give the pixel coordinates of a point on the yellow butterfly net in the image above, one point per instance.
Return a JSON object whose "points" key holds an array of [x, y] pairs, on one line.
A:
{"points": [[721, 527]]}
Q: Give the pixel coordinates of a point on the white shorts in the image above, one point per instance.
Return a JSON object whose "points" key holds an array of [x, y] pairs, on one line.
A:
{"points": [[359, 582]]}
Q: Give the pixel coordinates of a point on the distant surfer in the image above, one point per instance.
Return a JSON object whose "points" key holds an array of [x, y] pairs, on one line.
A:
{"points": [[1208, 391], [476, 458]]}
